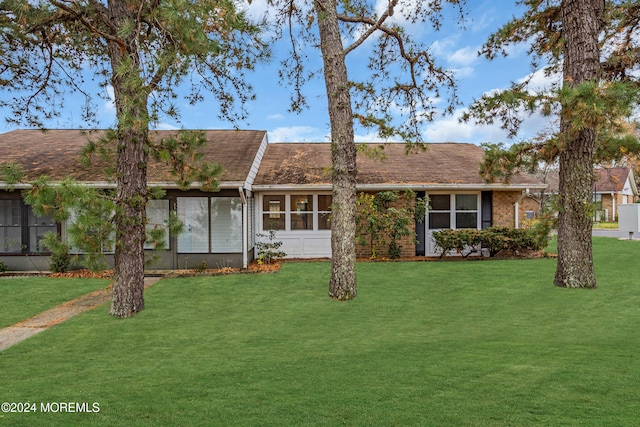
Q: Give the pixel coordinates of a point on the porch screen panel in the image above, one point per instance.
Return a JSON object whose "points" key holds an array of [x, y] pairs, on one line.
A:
{"points": [[324, 212], [10, 226], [38, 227], [158, 217], [273, 212], [194, 214], [302, 212], [226, 224]]}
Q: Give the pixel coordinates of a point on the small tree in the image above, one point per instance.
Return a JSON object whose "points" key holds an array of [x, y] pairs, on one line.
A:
{"points": [[384, 224], [269, 248]]}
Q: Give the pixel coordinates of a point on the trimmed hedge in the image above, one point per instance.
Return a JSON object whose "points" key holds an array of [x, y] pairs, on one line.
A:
{"points": [[494, 239]]}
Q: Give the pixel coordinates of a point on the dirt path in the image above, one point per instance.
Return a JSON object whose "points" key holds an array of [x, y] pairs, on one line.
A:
{"points": [[21, 331]]}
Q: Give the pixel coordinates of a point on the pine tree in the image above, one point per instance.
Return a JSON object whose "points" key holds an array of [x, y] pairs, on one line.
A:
{"points": [[593, 43], [144, 50]]}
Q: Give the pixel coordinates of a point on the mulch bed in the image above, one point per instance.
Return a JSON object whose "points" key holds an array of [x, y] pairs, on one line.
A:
{"points": [[274, 267]]}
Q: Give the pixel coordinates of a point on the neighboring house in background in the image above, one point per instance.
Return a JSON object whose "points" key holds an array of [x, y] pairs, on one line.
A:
{"points": [[281, 186], [613, 187]]}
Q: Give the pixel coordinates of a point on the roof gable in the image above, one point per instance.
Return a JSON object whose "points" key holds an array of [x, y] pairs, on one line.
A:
{"points": [[614, 180]]}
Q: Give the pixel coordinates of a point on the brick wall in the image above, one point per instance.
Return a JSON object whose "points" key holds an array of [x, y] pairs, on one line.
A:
{"points": [[504, 208], [407, 243]]}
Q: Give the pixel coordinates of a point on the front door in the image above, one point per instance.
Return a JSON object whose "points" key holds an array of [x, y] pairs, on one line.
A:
{"points": [[451, 211]]}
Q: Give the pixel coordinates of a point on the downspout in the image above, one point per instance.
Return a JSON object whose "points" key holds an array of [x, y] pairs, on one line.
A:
{"points": [[245, 229], [516, 205]]}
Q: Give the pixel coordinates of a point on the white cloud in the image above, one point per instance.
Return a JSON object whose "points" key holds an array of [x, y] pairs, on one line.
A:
{"points": [[297, 134], [463, 72], [540, 82], [165, 126], [276, 116], [465, 56], [450, 129], [109, 106]]}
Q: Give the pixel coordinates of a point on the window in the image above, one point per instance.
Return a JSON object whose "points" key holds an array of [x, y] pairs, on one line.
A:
{"points": [[194, 214], [226, 224], [20, 230], [466, 211], [324, 212], [440, 211], [296, 212], [453, 211], [273, 217], [158, 217], [302, 212]]}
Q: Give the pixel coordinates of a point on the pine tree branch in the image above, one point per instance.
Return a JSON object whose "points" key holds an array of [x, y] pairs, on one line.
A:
{"points": [[373, 26]]}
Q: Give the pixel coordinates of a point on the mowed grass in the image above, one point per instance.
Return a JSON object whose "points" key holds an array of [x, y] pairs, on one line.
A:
{"points": [[24, 297], [477, 343]]}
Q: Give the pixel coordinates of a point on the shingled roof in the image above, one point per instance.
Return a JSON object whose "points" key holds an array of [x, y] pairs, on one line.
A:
{"points": [[611, 179], [299, 164], [608, 180], [56, 153]]}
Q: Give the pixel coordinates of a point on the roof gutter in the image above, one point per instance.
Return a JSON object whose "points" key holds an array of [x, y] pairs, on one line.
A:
{"points": [[408, 186], [225, 185]]}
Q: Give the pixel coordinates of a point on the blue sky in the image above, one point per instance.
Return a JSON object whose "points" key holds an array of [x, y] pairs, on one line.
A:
{"points": [[454, 47]]}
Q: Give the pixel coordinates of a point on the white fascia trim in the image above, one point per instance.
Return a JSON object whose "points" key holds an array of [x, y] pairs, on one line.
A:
{"points": [[226, 185], [415, 187]]}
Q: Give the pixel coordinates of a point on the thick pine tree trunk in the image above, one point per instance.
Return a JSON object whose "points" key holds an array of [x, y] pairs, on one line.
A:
{"points": [[128, 285], [581, 23], [132, 158], [343, 151]]}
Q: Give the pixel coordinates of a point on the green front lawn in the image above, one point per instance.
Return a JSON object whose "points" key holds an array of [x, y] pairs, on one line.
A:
{"points": [[476, 343], [606, 225], [24, 297]]}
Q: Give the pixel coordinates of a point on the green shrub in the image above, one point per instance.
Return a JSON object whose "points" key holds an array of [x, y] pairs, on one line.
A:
{"points": [[3, 267], [494, 239], [60, 253], [270, 249]]}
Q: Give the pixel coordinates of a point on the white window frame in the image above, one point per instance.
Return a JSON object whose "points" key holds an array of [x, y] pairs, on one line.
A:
{"points": [[452, 209], [315, 213]]}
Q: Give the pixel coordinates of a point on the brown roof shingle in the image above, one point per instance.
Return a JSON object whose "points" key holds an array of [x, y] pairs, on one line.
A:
{"points": [[607, 179], [442, 163], [56, 153], [611, 179]]}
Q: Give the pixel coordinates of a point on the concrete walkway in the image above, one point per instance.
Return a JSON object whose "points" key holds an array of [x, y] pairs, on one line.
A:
{"points": [[21, 331]]}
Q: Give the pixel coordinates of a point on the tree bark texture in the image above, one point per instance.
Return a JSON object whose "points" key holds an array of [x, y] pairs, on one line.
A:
{"points": [[343, 151], [132, 157], [581, 24]]}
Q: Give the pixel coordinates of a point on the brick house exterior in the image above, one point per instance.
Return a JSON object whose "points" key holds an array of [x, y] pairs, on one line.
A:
{"points": [[280, 186], [448, 173]]}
